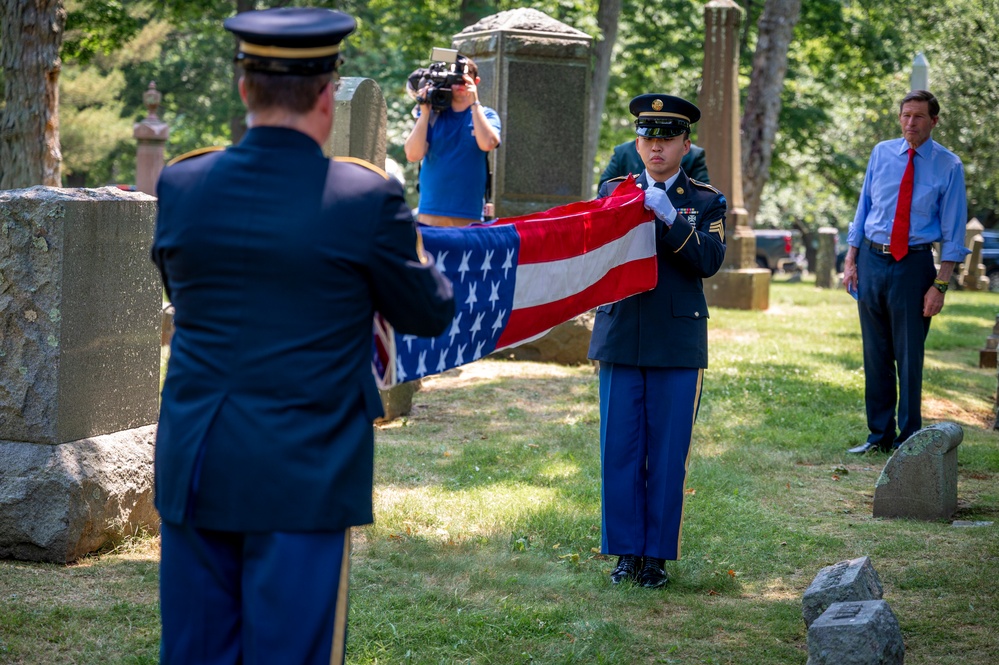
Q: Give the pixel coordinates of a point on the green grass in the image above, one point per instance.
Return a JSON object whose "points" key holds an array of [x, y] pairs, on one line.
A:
{"points": [[487, 525]]}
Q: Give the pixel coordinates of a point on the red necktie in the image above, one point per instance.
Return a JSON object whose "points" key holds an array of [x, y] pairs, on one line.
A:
{"points": [[900, 227]]}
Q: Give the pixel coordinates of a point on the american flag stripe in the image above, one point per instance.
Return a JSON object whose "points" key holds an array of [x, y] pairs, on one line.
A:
{"points": [[578, 228], [540, 283], [525, 322]]}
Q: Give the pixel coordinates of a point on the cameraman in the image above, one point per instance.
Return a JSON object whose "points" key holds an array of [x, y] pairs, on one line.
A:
{"points": [[453, 144]]}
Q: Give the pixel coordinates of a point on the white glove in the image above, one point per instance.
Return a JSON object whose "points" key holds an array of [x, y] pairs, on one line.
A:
{"points": [[658, 202]]}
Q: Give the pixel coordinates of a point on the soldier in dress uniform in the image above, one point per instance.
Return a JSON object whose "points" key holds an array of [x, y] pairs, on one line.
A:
{"points": [[653, 349], [276, 260]]}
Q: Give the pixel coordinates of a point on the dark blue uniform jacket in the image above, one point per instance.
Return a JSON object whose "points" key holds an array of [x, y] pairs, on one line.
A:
{"points": [[276, 259], [668, 326]]}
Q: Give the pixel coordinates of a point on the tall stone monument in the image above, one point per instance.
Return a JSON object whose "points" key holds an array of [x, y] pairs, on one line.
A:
{"points": [[359, 130], [151, 135], [535, 73], [79, 369], [739, 284]]}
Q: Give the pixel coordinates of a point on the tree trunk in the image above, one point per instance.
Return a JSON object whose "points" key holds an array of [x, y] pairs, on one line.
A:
{"points": [[759, 122], [237, 123], [31, 33], [472, 11], [607, 18]]}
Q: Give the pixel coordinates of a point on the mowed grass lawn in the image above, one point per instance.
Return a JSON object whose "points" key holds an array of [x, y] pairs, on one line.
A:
{"points": [[485, 546]]}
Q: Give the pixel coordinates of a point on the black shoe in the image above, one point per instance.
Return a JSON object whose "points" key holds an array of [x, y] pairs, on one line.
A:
{"points": [[626, 569], [653, 575], [868, 447]]}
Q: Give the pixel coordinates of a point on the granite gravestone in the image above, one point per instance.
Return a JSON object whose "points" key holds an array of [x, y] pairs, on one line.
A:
{"points": [[825, 259], [535, 73], [79, 369], [533, 69], [856, 633], [739, 284], [920, 478], [851, 580], [987, 357]]}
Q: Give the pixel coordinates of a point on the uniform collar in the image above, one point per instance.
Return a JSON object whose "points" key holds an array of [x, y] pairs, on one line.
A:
{"points": [[678, 185], [266, 136]]}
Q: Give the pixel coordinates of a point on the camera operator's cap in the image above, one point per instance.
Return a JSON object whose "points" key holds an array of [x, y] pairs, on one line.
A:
{"points": [[290, 40], [661, 116]]}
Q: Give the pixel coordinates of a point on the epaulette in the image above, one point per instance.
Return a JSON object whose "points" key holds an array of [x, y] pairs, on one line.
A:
{"points": [[361, 162], [195, 153], [704, 185], [620, 177]]}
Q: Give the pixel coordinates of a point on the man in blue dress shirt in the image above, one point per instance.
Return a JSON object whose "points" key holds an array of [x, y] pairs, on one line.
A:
{"points": [[653, 348], [276, 259], [913, 195]]}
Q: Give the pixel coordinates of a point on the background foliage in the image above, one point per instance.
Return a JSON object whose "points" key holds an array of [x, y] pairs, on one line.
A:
{"points": [[849, 63]]}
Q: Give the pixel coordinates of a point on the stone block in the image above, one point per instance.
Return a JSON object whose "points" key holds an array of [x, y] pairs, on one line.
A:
{"points": [[852, 580], [60, 502], [565, 344], [398, 400], [856, 633], [825, 259], [747, 288], [534, 67], [920, 478], [79, 334]]}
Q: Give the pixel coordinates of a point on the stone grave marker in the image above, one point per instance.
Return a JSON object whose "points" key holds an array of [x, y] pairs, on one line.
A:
{"points": [[856, 633], [852, 580], [920, 478], [79, 369]]}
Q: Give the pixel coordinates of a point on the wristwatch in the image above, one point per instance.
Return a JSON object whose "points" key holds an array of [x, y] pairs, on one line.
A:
{"points": [[941, 285]]}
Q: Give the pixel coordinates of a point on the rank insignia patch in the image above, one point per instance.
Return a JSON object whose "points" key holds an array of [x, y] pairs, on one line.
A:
{"points": [[719, 228]]}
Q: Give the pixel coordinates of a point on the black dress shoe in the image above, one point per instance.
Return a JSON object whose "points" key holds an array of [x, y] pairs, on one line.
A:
{"points": [[653, 575], [867, 447], [626, 569]]}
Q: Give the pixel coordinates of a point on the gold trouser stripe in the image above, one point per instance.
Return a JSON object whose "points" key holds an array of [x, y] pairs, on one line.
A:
{"points": [[338, 649], [686, 463], [677, 250], [288, 53]]}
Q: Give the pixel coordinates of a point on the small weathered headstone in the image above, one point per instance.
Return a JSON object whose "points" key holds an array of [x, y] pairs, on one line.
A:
{"points": [[856, 633], [825, 258], [987, 357], [852, 580], [920, 479]]}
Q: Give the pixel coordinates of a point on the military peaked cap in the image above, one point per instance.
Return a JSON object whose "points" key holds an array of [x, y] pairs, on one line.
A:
{"points": [[662, 116], [290, 40]]}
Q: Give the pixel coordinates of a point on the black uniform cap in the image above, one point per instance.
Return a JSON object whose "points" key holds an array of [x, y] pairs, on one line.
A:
{"points": [[290, 40], [662, 116]]}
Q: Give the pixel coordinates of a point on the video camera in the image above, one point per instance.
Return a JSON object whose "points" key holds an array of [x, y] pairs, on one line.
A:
{"points": [[447, 69]]}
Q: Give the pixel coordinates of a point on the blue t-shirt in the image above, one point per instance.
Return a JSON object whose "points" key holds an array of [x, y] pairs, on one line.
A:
{"points": [[453, 173]]}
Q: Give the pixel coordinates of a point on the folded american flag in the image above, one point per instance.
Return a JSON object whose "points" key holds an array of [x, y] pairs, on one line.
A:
{"points": [[517, 278]]}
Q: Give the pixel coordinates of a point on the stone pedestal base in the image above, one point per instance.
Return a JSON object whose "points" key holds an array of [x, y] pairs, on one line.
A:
{"points": [[565, 344], [60, 502], [398, 400], [746, 288]]}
